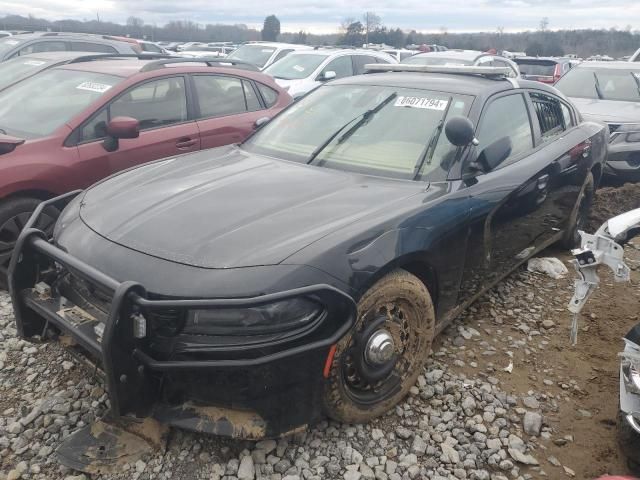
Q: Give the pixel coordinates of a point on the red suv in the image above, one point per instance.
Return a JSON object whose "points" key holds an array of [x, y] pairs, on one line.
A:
{"points": [[72, 125]]}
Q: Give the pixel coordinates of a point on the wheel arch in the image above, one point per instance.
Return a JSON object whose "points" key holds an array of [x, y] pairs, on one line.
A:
{"points": [[417, 264], [39, 194]]}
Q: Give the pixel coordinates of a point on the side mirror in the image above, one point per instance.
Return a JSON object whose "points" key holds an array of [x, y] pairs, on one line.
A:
{"points": [[123, 127], [493, 155], [328, 75], [460, 131], [120, 127]]}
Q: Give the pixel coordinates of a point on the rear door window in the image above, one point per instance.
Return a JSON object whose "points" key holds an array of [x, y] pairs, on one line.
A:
{"points": [[92, 47], [549, 113], [359, 61], [219, 95], [44, 46], [507, 117], [341, 65]]}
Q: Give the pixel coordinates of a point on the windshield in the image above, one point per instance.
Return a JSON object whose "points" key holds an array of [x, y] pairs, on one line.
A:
{"points": [[18, 68], [601, 83], [256, 54], [433, 60], [540, 69], [37, 106], [295, 66], [385, 131]]}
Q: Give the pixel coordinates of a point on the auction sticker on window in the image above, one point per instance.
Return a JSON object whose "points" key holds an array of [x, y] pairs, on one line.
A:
{"points": [[421, 102], [11, 42], [94, 87], [33, 63]]}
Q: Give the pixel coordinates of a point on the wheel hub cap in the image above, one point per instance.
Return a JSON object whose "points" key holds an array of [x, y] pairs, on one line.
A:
{"points": [[379, 349]]}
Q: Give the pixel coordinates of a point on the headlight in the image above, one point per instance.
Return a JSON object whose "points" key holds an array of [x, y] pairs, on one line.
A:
{"points": [[283, 316], [631, 374], [630, 132]]}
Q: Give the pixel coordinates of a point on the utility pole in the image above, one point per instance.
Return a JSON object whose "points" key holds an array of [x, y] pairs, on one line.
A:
{"points": [[367, 30]]}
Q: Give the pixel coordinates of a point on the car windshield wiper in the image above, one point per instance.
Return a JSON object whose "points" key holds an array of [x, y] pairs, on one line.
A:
{"points": [[427, 156], [598, 90], [364, 119], [3, 131]]}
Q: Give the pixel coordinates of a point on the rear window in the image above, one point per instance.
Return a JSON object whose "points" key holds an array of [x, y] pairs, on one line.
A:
{"points": [[18, 68], [531, 67], [255, 54], [269, 95]]}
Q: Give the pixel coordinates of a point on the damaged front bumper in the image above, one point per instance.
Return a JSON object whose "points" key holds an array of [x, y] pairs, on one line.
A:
{"points": [[263, 389]]}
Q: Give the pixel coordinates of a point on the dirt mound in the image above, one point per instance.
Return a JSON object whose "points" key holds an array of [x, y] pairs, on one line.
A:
{"points": [[610, 201]]}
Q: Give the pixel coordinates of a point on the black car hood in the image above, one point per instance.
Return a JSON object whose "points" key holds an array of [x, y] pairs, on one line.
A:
{"points": [[225, 208], [609, 111]]}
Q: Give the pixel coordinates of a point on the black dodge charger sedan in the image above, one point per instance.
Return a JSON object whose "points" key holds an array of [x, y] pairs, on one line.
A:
{"points": [[250, 289]]}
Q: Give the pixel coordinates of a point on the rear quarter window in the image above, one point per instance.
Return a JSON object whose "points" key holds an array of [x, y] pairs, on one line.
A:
{"points": [[269, 95]]}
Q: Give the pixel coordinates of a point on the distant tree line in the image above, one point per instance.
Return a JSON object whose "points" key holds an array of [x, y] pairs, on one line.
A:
{"points": [[356, 32]]}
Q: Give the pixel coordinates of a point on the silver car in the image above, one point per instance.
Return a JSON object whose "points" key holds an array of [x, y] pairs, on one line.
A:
{"points": [[463, 58], [301, 72], [27, 43]]}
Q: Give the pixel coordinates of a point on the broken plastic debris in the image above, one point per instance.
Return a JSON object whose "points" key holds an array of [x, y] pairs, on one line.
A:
{"points": [[549, 266], [508, 368]]}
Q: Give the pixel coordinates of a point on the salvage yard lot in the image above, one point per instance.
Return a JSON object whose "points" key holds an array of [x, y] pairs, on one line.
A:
{"points": [[464, 419]]}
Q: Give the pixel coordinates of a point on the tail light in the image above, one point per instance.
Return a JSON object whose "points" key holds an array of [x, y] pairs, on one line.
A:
{"points": [[557, 72]]}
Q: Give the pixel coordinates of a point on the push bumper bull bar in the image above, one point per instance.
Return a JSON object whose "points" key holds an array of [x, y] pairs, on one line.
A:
{"points": [[123, 359]]}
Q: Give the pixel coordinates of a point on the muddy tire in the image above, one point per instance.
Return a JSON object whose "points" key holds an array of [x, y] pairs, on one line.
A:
{"points": [[367, 376], [629, 442], [580, 215], [14, 213]]}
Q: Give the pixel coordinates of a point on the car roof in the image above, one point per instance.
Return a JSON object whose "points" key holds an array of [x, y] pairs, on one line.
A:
{"points": [[295, 46], [55, 56], [462, 84], [127, 67], [344, 51], [618, 65], [459, 54], [543, 59]]}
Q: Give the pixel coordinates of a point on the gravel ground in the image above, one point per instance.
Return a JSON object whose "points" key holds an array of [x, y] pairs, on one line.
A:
{"points": [[457, 423], [499, 399]]}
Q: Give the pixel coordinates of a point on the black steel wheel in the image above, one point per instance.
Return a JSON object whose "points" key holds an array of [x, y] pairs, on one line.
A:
{"points": [[379, 361], [14, 214]]}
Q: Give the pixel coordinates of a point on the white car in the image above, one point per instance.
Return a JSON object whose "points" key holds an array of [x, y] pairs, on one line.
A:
{"points": [[263, 54], [464, 58], [400, 54], [189, 46], [210, 52], [301, 72]]}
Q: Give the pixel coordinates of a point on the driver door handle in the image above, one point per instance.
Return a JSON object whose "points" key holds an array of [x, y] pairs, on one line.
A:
{"points": [[186, 142]]}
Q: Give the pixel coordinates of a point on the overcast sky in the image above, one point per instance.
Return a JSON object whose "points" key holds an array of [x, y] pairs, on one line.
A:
{"points": [[324, 16]]}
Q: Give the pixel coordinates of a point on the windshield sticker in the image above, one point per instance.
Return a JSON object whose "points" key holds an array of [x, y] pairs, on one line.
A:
{"points": [[266, 50], [93, 87], [298, 68], [11, 42], [33, 63], [421, 102]]}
